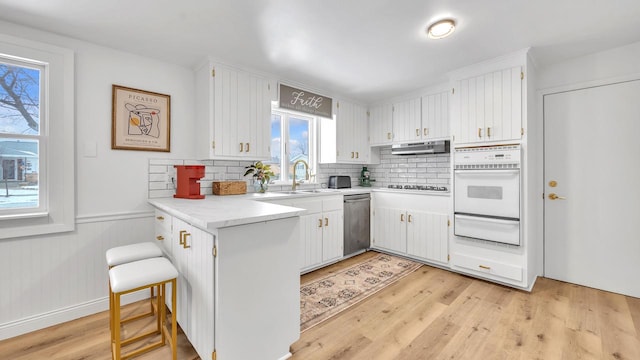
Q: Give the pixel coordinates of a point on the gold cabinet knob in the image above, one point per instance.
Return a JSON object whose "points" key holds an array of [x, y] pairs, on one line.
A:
{"points": [[159, 237]]}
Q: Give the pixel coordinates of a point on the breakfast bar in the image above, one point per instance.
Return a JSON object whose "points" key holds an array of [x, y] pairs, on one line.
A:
{"points": [[238, 276]]}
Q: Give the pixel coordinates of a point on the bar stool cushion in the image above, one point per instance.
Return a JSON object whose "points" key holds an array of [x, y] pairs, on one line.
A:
{"points": [[141, 273], [134, 252]]}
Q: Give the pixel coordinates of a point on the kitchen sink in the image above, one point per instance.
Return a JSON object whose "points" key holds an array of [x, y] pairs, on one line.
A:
{"points": [[318, 191]]}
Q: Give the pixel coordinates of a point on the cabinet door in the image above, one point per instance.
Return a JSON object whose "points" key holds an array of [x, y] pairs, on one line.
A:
{"points": [[162, 227], [390, 229], [332, 235], [407, 120], [256, 129], [360, 134], [241, 114], [427, 235], [310, 240], [381, 124], [435, 116], [181, 262], [345, 150], [488, 107], [199, 248]]}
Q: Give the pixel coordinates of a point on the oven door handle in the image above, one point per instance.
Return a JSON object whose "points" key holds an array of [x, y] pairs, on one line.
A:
{"points": [[487, 219], [496, 171]]}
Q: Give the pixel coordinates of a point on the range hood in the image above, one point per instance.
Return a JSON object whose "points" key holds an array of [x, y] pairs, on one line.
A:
{"points": [[424, 147]]}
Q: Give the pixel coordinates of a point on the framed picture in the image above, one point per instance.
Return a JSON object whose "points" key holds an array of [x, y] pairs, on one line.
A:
{"points": [[141, 120]]}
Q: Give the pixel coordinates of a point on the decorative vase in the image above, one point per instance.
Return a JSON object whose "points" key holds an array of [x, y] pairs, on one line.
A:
{"points": [[260, 186]]}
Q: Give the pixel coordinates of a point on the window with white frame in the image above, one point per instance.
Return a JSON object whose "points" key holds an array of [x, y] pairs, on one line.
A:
{"points": [[37, 194], [292, 139]]}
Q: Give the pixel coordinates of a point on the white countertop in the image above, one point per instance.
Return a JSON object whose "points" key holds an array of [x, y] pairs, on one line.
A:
{"points": [[214, 212]]}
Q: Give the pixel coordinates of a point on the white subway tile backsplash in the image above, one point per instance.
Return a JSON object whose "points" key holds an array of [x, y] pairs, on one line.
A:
{"points": [[393, 169]]}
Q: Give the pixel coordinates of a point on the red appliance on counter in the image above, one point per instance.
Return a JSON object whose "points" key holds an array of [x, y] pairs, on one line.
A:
{"points": [[188, 181]]}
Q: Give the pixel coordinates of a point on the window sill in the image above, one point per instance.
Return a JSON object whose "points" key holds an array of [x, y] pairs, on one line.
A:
{"points": [[24, 216]]}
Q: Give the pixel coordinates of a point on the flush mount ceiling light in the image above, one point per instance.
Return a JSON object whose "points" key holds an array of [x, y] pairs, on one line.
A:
{"points": [[441, 29]]}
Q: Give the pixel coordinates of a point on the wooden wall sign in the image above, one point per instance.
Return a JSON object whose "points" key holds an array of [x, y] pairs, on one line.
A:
{"points": [[305, 101]]}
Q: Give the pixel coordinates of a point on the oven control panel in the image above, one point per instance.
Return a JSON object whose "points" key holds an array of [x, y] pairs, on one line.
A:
{"points": [[507, 156]]}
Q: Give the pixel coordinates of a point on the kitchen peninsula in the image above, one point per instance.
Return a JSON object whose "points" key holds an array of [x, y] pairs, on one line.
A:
{"points": [[239, 278]]}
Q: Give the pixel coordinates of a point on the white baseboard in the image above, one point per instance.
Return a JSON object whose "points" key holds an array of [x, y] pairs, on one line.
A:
{"points": [[55, 317]]}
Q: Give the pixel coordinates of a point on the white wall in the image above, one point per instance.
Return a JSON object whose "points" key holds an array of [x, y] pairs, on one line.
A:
{"points": [[605, 65], [49, 279]]}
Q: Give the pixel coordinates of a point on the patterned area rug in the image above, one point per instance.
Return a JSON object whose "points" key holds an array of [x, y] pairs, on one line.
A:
{"points": [[322, 298]]}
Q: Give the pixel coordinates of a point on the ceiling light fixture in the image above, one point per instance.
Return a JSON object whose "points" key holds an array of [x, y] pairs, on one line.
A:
{"points": [[441, 29]]}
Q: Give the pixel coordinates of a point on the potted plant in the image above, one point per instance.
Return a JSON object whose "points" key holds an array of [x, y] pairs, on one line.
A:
{"points": [[261, 175]]}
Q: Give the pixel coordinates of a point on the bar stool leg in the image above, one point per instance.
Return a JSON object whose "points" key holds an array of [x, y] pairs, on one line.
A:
{"points": [[116, 328], [174, 321]]}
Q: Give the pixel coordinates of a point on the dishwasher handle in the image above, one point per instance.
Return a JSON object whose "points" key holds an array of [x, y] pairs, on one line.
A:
{"points": [[356, 198]]}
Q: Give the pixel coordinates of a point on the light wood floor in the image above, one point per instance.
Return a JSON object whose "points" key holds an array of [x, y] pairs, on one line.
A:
{"points": [[429, 314]]}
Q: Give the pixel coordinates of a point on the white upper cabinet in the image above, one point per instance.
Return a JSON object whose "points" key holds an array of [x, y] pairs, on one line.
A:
{"points": [[435, 116], [381, 125], [344, 139], [407, 118], [488, 107], [352, 133], [233, 116]]}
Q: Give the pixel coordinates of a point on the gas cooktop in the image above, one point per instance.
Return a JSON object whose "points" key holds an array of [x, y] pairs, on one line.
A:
{"points": [[420, 187]]}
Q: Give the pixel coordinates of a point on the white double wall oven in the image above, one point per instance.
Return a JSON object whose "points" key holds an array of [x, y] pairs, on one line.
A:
{"points": [[487, 185]]}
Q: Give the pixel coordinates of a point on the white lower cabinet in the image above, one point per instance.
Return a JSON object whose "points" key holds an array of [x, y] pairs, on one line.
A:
{"points": [[236, 284], [420, 230], [321, 230], [193, 258]]}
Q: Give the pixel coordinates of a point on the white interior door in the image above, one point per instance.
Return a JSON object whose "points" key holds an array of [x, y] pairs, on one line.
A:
{"points": [[592, 152]]}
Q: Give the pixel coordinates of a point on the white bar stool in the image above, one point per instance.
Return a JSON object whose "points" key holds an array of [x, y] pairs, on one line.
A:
{"points": [[130, 253], [135, 276]]}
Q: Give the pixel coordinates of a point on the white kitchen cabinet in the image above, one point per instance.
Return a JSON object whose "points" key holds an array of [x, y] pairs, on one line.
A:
{"points": [[193, 258], [224, 296], [162, 228], [419, 229], [233, 113], [488, 107], [321, 230], [435, 116], [407, 118], [344, 139], [428, 235], [352, 143], [381, 125]]}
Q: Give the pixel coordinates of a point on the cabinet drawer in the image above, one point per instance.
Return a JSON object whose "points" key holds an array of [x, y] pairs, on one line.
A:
{"points": [[332, 203], [489, 267], [312, 205], [162, 221]]}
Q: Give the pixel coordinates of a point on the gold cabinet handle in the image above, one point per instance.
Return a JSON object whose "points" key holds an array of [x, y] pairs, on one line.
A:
{"points": [[326, 221], [488, 132], [417, 132], [388, 136], [479, 132], [353, 154], [159, 237], [182, 232], [554, 196], [246, 147], [401, 217], [484, 267], [184, 244], [409, 218], [357, 155], [426, 131], [161, 218], [319, 223], [241, 147]]}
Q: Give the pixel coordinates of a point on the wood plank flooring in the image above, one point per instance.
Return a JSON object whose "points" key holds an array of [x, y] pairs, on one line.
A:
{"points": [[429, 314]]}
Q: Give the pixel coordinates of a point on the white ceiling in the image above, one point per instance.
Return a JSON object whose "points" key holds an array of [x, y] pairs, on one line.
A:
{"points": [[365, 49]]}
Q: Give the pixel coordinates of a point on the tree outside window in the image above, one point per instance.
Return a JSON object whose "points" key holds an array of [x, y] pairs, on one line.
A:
{"points": [[20, 135]]}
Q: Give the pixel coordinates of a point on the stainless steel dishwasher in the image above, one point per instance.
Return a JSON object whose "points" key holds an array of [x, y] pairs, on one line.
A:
{"points": [[356, 223]]}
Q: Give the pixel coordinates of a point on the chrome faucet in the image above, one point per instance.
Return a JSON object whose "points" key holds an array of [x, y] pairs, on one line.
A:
{"points": [[306, 172]]}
